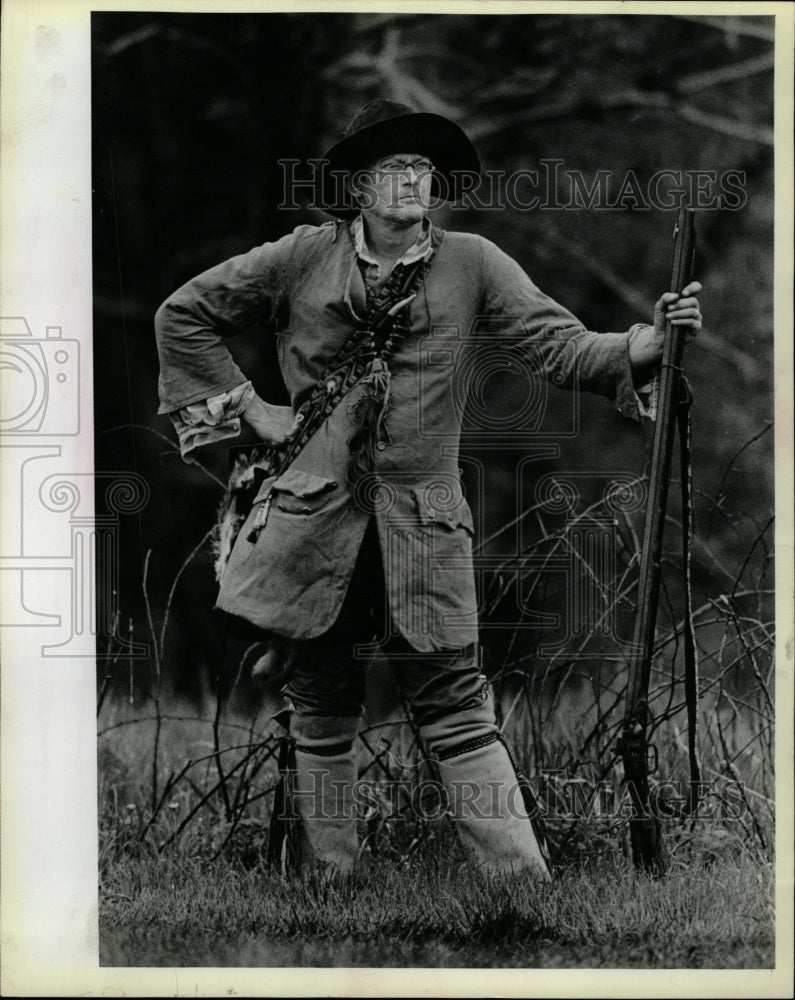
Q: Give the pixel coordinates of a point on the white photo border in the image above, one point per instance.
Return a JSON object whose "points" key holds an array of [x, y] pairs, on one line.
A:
{"points": [[49, 819]]}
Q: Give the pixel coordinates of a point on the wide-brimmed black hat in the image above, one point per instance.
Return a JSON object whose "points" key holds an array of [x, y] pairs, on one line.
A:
{"points": [[384, 127]]}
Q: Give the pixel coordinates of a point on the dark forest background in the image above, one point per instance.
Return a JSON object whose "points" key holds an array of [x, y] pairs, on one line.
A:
{"points": [[191, 114]]}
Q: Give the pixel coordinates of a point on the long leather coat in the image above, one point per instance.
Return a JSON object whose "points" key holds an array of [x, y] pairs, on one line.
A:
{"points": [[307, 289]]}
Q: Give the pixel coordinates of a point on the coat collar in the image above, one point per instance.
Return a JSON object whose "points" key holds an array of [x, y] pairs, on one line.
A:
{"points": [[419, 250]]}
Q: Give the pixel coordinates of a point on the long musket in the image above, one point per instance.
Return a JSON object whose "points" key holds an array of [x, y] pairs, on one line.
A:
{"points": [[640, 757]]}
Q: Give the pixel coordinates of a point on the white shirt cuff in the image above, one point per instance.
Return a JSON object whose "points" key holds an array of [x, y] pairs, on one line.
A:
{"points": [[212, 419]]}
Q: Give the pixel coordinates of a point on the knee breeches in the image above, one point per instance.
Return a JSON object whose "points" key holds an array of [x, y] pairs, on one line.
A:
{"points": [[326, 675]]}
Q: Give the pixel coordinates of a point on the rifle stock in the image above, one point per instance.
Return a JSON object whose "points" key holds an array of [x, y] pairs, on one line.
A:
{"points": [[640, 757]]}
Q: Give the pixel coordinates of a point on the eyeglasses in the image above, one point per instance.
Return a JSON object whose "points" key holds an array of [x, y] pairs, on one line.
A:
{"points": [[395, 166]]}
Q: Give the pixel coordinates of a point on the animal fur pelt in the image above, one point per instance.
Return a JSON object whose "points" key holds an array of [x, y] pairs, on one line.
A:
{"points": [[248, 467]]}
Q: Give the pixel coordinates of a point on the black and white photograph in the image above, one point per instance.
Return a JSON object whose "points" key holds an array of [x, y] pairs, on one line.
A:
{"points": [[397, 487]]}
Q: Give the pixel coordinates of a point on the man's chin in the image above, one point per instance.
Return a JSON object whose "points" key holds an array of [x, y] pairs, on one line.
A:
{"points": [[407, 210]]}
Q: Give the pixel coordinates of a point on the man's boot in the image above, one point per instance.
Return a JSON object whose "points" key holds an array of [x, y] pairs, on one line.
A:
{"points": [[314, 821], [484, 792]]}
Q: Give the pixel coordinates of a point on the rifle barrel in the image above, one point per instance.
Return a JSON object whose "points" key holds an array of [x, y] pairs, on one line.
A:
{"points": [[645, 828], [656, 504]]}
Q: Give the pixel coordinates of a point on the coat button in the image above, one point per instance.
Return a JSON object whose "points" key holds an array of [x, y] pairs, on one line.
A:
{"points": [[451, 516], [380, 445]]}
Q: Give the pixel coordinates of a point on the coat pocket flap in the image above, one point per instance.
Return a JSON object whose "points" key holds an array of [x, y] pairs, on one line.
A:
{"points": [[303, 484], [296, 492], [298, 484], [449, 511]]}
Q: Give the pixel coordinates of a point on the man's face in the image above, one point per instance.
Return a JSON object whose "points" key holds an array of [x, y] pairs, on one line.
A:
{"points": [[396, 188]]}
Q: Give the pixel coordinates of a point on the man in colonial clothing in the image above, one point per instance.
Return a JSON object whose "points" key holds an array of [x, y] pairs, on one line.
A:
{"points": [[363, 535]]}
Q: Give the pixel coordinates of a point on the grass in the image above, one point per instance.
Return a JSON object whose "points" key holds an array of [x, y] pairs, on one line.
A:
{"points": [[185, 883], [187, 912]]}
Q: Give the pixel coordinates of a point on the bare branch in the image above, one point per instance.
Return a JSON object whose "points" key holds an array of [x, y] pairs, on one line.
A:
{"points": [[729, 468], [725, 74], [727, 126], [743, 361], [733, 26], [623, 100], [202, 542], [368, 23], [598, 268]]}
